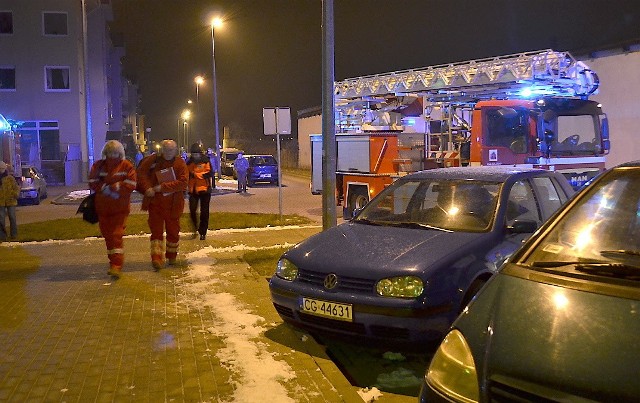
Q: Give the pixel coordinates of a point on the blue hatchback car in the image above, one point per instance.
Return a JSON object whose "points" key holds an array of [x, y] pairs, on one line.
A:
{"points": [[407, 264], [262, 168], [560, 321]]}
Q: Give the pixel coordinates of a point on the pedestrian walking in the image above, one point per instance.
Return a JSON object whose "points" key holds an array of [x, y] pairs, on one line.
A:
{"points": [[113, 178], [139, 156], [200, 179], [215, 166], [163, 179], [241, 165], [9, 193]]}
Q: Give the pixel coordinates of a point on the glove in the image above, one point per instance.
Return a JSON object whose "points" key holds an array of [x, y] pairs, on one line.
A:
{"points": [[110, 193]]}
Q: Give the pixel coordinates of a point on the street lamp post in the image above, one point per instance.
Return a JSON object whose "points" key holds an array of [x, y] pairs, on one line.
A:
{"points": [[215, 22], [198, 120], [186, 114]]}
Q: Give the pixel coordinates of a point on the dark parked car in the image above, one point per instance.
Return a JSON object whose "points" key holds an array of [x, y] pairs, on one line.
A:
{"points": [[411, 259], [561, 319], [262, 168], [33, 186]]}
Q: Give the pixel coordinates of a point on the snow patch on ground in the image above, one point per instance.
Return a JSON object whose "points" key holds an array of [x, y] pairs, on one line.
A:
{"points": [[260, 375], [370, 394]]}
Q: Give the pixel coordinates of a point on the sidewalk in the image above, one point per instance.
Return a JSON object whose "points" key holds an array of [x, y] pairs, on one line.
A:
{"points": [[203, 331]]}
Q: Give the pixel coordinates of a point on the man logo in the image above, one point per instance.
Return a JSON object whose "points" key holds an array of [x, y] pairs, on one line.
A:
{"points": [[331, 281]]}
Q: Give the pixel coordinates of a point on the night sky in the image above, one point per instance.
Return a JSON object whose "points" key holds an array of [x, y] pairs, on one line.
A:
{"points": [[269, 52]]}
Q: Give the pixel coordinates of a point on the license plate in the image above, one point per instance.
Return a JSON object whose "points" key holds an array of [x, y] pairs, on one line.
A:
{"points": [[327, 309], [265, 175]]}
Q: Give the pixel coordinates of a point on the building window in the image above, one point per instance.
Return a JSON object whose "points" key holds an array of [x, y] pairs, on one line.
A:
{"points": [[6, 22], [39, 141], [56, 78], [7, 78], [54, 23]]}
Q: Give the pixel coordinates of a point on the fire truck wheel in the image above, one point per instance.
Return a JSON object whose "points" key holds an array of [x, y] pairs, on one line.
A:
{"points": [[358, 197]]}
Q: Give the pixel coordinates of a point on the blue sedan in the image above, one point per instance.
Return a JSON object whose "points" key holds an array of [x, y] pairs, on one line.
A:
{"points": [[407, 264]]}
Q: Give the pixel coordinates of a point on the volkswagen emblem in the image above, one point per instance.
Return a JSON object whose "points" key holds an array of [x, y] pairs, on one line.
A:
{"points": [[331, 281]]}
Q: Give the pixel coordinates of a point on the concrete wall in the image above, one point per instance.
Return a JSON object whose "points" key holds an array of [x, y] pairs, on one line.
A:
{"points": [[306, 127], [619, 95]]}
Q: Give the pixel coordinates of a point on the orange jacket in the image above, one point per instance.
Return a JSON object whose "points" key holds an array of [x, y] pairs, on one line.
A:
{"points": [[199, 175], [113, 180], [171, 195]]}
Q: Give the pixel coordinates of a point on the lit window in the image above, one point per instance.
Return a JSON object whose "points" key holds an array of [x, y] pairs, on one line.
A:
{"points": [[6, 22], [54, 23], [7, 78], [56, 78]]}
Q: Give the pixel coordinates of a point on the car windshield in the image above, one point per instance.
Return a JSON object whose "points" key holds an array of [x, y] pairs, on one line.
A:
{"points": [[263, 160], [445, 204], [603, 227], [26, 171]]}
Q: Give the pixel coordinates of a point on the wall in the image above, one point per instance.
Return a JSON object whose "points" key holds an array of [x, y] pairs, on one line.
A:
{"points": [[306, 127], [619, 95]]}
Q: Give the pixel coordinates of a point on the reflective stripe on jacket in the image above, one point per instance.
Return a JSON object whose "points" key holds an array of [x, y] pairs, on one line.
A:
{"points": [[199, 175], [113, 180]]}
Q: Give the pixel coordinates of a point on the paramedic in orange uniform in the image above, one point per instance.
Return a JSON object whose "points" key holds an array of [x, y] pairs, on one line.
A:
{"points": [[113, 178], [200, 187], [162, 179]]}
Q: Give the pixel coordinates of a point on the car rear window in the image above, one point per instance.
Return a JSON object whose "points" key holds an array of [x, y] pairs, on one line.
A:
{"points": [[267, 160]]}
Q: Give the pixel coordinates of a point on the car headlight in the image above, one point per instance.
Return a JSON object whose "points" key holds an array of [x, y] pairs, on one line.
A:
{"points": [[286, 270], [403, 287], [452, 371]]}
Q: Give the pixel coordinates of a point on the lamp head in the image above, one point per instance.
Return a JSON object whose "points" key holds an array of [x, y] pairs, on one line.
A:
{"points": [[216, 22]]}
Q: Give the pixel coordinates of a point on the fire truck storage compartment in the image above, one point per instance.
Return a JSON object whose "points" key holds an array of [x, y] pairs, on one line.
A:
{"points": [[353, 153]]}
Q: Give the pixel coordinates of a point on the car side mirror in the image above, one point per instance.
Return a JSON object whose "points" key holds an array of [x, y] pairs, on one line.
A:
{"points": [[522, 227]]}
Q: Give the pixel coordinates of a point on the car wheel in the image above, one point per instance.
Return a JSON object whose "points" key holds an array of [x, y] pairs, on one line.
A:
{"points": [[357, 199], [36, 201]]}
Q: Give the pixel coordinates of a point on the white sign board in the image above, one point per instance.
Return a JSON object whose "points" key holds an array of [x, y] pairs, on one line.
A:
{"points": [[276, 120]]}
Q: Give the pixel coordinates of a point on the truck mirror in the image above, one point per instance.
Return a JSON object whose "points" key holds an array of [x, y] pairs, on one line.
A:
{"points": [[549, 136], [604, 128]]}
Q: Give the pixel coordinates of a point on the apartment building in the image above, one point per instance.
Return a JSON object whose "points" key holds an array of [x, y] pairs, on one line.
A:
{"points": [[58, 60]]}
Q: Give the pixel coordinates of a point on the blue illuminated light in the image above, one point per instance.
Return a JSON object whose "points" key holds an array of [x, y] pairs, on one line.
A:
{"points": [[4, 125], [526, 92]]}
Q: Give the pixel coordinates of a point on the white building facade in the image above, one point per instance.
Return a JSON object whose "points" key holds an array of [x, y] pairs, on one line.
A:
{"points": [[44, 72]]}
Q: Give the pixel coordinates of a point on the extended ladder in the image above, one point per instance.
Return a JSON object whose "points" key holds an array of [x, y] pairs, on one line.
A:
{"points": [[540, 73]]}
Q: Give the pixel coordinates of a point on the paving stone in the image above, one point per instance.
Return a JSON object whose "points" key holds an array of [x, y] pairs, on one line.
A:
{"points": [[78, 335]]}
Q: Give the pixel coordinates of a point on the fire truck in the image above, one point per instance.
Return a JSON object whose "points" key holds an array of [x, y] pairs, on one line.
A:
{"points": [[9, 146], [528, 109]]}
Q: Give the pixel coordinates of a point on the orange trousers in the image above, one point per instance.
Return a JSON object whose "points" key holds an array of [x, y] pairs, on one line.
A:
{"points": [[161, 218], [112, 228]]}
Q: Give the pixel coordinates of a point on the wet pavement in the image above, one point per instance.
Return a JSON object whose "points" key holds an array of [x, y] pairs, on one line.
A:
{"points": [[203, 331]]}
